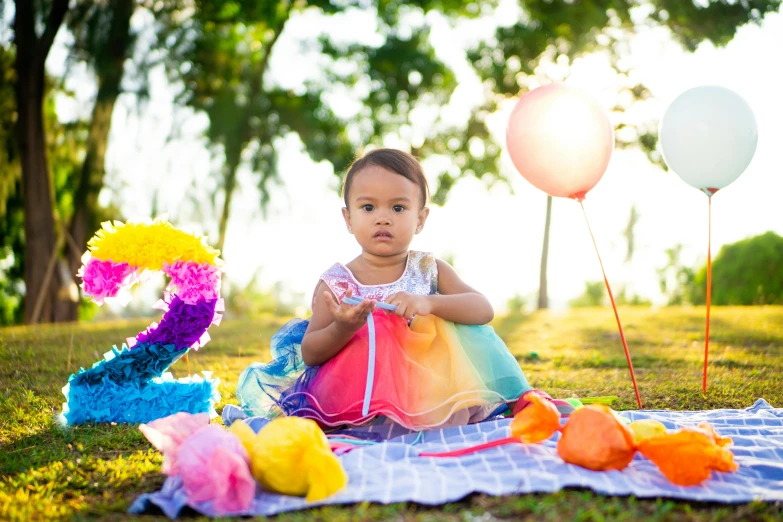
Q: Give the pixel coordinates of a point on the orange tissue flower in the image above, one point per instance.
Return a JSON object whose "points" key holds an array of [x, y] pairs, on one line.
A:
{"points": [[595, 439], [689, 456], [537, 422]]}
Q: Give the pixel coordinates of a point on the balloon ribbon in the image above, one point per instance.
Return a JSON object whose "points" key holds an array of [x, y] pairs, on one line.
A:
{"points": [[709, 291], [371, 355], [472, 449], [614, 307]]}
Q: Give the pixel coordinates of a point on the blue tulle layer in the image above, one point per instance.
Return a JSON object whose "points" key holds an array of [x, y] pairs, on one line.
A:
{"points": [[262, 386], [130, 386]]}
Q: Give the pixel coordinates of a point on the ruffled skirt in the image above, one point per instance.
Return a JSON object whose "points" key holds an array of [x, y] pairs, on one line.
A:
{"points": [[431, 374]]}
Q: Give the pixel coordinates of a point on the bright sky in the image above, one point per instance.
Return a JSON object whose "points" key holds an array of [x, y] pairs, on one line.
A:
{"points": [[494, 236]]}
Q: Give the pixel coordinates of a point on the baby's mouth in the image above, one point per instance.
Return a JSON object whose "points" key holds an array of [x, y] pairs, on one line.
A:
{"points": [[382, 235]]}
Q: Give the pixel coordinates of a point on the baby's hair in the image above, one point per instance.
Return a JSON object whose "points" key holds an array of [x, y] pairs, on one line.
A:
{"points": [[392, 160]]}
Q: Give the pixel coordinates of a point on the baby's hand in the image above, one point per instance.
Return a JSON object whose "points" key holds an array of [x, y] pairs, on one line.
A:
{"points": [[409, 305], [348, 317]]}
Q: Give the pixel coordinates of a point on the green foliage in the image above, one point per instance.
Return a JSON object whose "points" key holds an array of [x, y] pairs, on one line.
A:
{"points": [[516, 305], [677, 280], [220, 54], [11, 204], [253, 301], [716, 21], [65, 143], [623, 299], [748, 272], [594, 295], [10, 172], [559, 31]]}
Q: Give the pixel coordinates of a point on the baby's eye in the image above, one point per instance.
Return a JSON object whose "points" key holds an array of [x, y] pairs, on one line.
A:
{"points": [[368, 207], [398, 208]]}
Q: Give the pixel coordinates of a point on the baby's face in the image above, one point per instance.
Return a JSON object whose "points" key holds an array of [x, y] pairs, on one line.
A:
{"points": [[385, 211]]}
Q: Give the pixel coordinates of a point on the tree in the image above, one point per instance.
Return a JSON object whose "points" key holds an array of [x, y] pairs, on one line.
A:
{"points": [[221, 57], [559, 31], [102, 39], [675, 279], [31, 50], [11, 204], [748, 272], [65, 150]]}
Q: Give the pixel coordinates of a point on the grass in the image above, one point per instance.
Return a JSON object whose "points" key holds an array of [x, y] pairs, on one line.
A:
{"points": [[95, 471]]}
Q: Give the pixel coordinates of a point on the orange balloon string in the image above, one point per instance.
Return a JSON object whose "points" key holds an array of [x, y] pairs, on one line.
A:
{"points": [[709, 292], [187, 362], [614, 307]]}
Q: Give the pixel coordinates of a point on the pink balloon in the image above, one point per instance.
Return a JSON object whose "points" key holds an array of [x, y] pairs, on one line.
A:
{"points": [[560, 139]]}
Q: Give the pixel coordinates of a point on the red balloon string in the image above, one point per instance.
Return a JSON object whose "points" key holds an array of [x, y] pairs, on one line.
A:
{"points": [[709, 292], [472, 449], [614, 307]]}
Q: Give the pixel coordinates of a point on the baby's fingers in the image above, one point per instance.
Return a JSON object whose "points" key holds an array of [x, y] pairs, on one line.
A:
{"points": [[366, 307], [331, 302]]}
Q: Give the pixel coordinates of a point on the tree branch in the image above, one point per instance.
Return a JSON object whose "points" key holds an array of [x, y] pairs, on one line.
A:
{"points": [[56, 16]]}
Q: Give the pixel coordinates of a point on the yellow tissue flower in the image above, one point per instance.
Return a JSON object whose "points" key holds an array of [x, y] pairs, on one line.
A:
{"points": [[291, 455], [149, 245], [647, 429]]}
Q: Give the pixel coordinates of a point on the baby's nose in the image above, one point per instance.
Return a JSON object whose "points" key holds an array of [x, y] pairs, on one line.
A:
{"points": [[382, 219]]}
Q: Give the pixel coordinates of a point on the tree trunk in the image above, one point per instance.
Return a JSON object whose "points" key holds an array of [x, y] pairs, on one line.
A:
{"points": [[543, 297], [234, 148], [31, 52], [110, 69], [233, 157]]}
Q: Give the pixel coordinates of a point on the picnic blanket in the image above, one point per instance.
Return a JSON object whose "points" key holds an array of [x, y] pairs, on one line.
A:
{"points": [[391, 471]]}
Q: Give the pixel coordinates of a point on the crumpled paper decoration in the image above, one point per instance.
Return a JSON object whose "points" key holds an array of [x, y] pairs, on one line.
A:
{"points": [[595, 439], [291, 455], [646, 429], [212, 463], [125, 387], [689, 456], [183, 325], [149, 245], [168, 433], [129, 385], [537, 422], [103, 279], [193, 282]]}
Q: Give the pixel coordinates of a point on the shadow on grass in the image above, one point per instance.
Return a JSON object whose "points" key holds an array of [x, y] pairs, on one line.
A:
{"points": [[57, 444], [691, 325]]}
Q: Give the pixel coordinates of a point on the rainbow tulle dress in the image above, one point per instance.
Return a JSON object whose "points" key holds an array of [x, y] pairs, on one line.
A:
{"points": [[431, 373]]}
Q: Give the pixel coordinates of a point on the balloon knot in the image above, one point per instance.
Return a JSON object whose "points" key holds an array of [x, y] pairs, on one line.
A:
{"points": [[578, 196], [710, 191]]}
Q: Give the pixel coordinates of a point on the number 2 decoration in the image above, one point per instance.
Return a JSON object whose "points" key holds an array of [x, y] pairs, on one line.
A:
{"points": [[131, 384]]}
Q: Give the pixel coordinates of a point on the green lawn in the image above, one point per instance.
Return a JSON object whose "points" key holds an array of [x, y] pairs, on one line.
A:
{"points": [[97, 471]]}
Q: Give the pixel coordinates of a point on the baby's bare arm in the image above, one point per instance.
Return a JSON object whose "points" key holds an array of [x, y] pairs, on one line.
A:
{"points": [[457, 302], [332, 325]]}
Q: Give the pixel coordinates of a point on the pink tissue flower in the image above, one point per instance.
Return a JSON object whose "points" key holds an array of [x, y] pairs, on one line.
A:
{"points": [[168, 434], [102, 279], [211, 461], [193, 282], [214, 466]]}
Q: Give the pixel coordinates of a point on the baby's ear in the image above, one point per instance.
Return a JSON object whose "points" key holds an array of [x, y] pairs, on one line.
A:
{"points": [[423, 214], [347, 218]]}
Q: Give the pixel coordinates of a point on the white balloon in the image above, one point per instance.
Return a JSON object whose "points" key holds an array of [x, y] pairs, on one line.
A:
{"points": [[708, 137]]}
